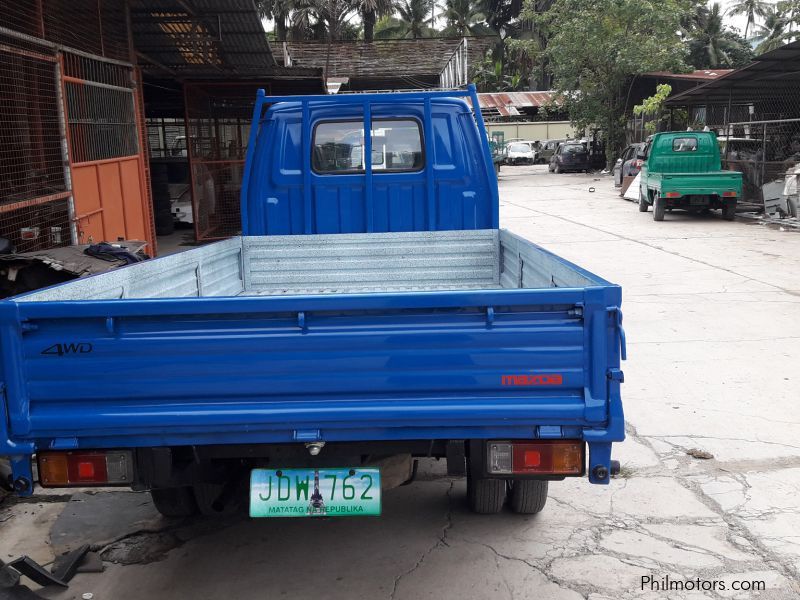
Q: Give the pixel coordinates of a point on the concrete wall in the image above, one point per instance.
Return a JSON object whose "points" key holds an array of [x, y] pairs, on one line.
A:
{"points": [[542, 130]]}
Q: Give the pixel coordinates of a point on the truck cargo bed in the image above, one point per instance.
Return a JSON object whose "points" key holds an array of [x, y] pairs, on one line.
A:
{"points": [[334, 264], [350, 337]]}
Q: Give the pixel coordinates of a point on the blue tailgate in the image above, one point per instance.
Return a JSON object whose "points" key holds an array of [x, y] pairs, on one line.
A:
{"points": [[276, 369]]}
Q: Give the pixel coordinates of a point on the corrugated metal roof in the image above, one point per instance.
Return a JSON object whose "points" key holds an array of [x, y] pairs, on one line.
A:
{"points": [[698, 75], [508, 104], [778, 70], [381, 58], [201, 38]]}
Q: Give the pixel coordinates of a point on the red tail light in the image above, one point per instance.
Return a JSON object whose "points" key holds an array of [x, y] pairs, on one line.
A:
{"points": [[547, 457], [672, 195], [729, 194], [66, 469]]}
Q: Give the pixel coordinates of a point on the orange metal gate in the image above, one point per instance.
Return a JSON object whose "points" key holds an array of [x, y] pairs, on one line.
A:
{"points": [[107, 158]]}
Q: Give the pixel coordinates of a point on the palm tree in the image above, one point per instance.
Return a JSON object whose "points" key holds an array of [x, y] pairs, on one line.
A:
{"points": [[772, 34], [411, 23], [370, 11], [333, 14], [791, 8], [751, 9], [708, 42], [279, 12], [464, 17]]}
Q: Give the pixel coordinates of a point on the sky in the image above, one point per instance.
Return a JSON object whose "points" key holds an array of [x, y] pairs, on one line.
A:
{"points": [[739, 21]]}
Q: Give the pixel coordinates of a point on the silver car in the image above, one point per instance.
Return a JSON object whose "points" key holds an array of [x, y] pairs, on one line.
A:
{"points": [[627, 164]]}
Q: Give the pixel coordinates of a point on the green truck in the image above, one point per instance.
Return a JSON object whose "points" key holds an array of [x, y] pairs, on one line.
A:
{"points": [[681, 170]]}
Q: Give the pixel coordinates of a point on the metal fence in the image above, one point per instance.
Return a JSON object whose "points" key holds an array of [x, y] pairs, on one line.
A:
{"points": [[766, 152], [101, 115], [166, 137], [71, 154], [218, 126], [34, 195], [755, 112]]}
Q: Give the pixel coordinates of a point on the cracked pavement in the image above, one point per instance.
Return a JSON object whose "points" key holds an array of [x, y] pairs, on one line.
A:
{"points": [[712, 315]]}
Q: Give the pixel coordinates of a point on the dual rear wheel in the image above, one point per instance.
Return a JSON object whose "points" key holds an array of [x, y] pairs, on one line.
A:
{"points": [[524, 496]]}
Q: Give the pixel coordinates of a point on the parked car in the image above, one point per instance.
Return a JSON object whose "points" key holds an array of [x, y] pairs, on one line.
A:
{"points": [[570, 156], [332, 342], [547, 150], [681, 169], [628, 165], [521, 153]]}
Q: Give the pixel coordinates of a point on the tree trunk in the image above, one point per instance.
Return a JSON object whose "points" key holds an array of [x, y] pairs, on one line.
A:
{"points": [[280, 28], [369, 18]]}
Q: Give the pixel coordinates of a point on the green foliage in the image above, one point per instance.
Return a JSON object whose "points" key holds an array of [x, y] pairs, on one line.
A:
{"points": [[594, 48], [464, 17], [752, 9], [654, 107], [711, 45], [412, 21], [489, 76], [774, 32]]}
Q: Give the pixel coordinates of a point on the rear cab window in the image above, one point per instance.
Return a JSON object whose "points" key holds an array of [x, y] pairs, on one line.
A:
{"points": [[338, 146], [573, 148], [684, 144], [517, 147]]}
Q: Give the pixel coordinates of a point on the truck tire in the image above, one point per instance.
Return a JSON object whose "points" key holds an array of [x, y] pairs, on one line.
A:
{"points": [[659, 208], [643, 205], [486, 496], [174, 502], [527, 496], [729, 211]]}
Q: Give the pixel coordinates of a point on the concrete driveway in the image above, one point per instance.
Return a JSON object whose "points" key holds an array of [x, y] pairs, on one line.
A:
{"points": [[712, 313]]}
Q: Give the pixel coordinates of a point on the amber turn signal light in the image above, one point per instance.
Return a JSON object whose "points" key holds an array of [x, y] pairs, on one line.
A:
{"points": [[546, 457], [73, 468]]}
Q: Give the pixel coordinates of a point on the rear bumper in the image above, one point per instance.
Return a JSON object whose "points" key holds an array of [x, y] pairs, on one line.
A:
{"points": [[575, 166], [177, 466], [699, 200], [432, 435]]}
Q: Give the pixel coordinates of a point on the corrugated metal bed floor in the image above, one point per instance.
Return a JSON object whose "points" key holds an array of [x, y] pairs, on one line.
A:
{"points": [[333, 264]]}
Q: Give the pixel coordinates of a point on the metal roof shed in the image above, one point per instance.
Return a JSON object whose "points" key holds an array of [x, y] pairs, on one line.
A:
{"points": [[204, 60], [756, 111]]}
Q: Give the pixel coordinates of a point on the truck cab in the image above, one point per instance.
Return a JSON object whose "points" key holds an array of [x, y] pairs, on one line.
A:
{"points": [[682, 170], [428, 169]]}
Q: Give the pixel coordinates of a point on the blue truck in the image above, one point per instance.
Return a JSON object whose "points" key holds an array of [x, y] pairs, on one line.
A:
{"points": [[372, 313]]}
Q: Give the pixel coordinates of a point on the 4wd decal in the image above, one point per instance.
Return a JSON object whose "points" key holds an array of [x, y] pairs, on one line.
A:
{"points": [[69, 348]]}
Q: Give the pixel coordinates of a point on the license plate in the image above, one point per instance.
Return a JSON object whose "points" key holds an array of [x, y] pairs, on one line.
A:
{"points": [[315, 492]]}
